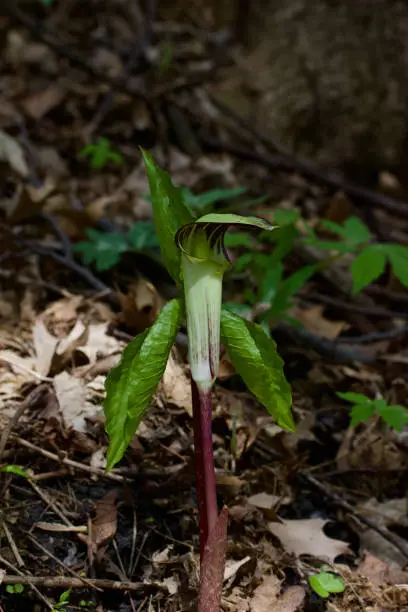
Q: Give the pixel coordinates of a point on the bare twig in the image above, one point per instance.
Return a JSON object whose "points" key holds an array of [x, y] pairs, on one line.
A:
{"points": [[279, 158], [68, 582], [24, 579], [325, 489], [69, 462], [12, 545], [372, 311], [49, 554]]}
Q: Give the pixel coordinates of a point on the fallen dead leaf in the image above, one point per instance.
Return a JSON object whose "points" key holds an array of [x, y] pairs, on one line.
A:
{"points": [[231, 567], [267, 597], [71, 395], [140, 305], [104, 525], [374, 569], [38, 104], [45, 345], [12, 153], [267, 501], [306, 537], [314, 321], [175, 385]]}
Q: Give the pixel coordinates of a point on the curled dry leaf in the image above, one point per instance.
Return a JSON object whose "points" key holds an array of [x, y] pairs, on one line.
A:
{"points": [[175, 385], [12, 154], [268, 598], [306, 537], [140, 305], [105, 523]]}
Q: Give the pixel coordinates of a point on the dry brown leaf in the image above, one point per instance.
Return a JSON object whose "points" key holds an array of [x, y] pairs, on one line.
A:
{"points": [[374, 569], [267, 501], [38, 104], [104, 524], [175, 386], [314, 321], [99, 344], [140, 305], [71, 395], [267, 597], [306, 537], [45, 345], [231, 567], [12, 153]]}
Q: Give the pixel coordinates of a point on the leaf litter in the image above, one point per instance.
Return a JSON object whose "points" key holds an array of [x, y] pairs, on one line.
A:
{"points": [[61, 334]]}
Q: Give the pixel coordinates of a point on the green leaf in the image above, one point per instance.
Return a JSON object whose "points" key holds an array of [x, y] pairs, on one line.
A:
{"points": [[333, 227], [256, 360], [326, 583], [170, 213], [360, 413], [354, 398], [104, 248], [356, 232], [284, 217], [367, 266], [143, 235], [289, 287], [14, 469], [130, 386], [64, 597], [242, 310], [209, 198], [396, 416], [242, 262], [398, 255], [232, 219], [270, 283], [237, 239]]}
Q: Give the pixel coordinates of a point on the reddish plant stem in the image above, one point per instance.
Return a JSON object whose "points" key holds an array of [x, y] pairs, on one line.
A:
{"points": [[204, 461]]}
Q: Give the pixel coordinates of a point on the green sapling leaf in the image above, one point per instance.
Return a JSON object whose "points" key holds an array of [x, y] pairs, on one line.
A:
{"points": [[368, 266], [256, 360], [354, 398], [130, 386], [326, 583], [360, 413], [143, 235], [395, 416], [356, 232], [398, 255], [169, 211], [103, 248]]}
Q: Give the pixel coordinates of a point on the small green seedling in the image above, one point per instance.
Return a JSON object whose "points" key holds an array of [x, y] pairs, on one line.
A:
{"points": [[100, 154], [371, 259], [194, 253], [15, 589], [86, 604], [63, 601], [363, 408], [326, 583], [103, 248]]}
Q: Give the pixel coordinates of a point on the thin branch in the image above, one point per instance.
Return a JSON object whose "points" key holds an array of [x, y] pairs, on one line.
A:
{"points": [[68, 582], [69, 462], [280, 158], [325, 489]]}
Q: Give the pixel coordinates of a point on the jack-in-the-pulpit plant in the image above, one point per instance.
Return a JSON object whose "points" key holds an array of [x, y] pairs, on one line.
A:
{"points": [[193, 251]]}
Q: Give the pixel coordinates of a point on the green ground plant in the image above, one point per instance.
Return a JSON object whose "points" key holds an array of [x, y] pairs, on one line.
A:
{"points": [[100, 154], [193, 251], [363, 408]]}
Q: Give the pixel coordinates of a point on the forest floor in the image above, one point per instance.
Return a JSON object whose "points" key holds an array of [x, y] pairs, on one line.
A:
{"points": [[331, 496]]}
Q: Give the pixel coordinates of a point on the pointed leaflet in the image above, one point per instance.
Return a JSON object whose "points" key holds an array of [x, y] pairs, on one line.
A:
{"points": [[169, 211], [256, 360], [130, 386], [368, 266]]}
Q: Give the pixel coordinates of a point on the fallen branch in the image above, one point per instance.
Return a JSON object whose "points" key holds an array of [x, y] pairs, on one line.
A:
{"points": [[325, 489], [277, 157], [69, 582]]}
